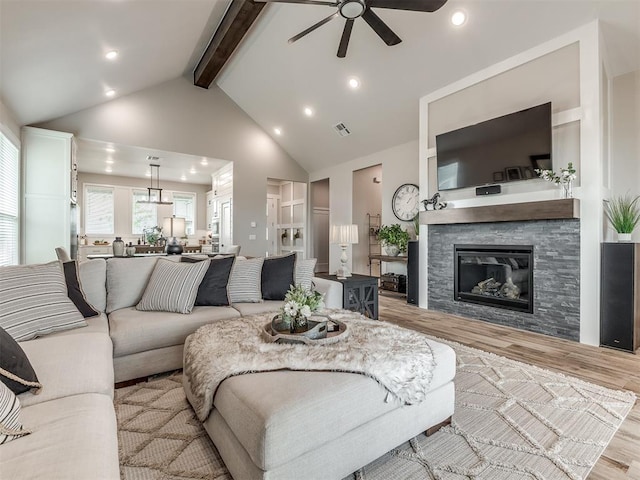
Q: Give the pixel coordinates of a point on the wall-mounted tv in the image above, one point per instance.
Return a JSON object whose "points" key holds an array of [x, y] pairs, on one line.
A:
{"points": [[504, 149]]}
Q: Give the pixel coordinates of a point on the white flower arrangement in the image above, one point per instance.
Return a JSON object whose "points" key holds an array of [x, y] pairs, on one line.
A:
{"points": [[300, 303], [567, 175]]}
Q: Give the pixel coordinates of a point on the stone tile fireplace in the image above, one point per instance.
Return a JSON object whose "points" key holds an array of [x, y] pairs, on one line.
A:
{"points": [[547, 254]]}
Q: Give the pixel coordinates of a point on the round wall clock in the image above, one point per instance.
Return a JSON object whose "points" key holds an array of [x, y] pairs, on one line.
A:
{"points": [[406, 202]]}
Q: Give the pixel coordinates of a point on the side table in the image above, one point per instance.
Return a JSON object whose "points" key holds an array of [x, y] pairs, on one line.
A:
{"points": [[359, 293]]}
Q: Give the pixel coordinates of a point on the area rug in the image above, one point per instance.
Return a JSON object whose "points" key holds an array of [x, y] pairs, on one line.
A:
{"points": [[512, 421]]}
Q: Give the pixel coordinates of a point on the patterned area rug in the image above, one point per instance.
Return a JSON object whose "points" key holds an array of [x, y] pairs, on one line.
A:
{"points": [[512, 421]]}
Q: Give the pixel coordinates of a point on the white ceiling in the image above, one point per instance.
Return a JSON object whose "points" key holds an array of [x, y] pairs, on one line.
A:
{"points": [[51, 59]]}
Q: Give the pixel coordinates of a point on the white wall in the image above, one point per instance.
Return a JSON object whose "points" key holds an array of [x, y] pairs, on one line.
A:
{"points": [[399, 165], [625, 139], [179, 117], [11, 127]]}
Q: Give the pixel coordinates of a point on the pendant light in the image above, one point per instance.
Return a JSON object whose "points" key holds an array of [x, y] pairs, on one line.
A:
{"points": [[155, 189]]}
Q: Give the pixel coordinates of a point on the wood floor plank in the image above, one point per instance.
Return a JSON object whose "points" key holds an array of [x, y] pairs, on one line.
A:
{"points": [[602, 366]]}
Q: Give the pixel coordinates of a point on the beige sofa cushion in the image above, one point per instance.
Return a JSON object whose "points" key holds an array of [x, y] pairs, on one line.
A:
{"points": [[267, 306], [127, 280], [133, 331], [93, 279], [73, 438], [70, 365]]}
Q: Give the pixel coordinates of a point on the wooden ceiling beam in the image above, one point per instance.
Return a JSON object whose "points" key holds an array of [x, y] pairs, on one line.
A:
{"points": [[235, 24]]}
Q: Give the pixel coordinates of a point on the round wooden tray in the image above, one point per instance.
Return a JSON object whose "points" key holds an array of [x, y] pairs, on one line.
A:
{"points": [[318, 334]]}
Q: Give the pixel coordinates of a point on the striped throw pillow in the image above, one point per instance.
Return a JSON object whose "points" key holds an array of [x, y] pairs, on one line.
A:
{"points": [[303, 273], [10, 425], [173, 287], [245, 279], [34, 301]]}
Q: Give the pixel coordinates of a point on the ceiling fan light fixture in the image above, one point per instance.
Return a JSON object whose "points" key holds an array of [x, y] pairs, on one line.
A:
{"points": [[352, 8]]}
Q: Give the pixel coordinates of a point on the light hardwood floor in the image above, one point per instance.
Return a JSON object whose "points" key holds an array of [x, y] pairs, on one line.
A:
{"points": [[602, 366]]}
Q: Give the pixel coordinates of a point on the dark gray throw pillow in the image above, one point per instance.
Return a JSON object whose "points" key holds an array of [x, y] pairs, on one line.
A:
{"points": [[74, 290], [277, 276], [212, 291], [16, 371]]}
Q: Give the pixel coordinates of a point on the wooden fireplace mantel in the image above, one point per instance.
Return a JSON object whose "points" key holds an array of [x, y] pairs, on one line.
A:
{"points": [[513, 212]]}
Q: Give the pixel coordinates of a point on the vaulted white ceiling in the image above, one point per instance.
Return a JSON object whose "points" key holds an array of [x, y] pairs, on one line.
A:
{"points": [[51, 60]]}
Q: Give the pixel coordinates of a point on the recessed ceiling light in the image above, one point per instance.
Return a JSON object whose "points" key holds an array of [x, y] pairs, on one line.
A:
{"points": [[109, 161], [111, 55], [108, 170], [458, 18], [354, 83], [277, 131], [183, 178], [192, 171], [308, 111], [110, 150], [110, 93], [204, 162], [147, 173]]}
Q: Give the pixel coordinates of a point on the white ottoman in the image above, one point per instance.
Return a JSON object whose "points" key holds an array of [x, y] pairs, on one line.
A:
{"points": [[318, 425]]}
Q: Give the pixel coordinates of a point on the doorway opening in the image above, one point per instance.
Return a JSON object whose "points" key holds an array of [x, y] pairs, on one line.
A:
{"points": [[320, 224]]}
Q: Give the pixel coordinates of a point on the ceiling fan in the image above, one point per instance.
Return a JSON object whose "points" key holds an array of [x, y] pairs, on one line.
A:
{"points": [[352, 9]]}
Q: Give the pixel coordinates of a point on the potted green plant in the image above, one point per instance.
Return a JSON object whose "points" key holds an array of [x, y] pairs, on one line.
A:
{"points": [[393, 239], [623, 214]]}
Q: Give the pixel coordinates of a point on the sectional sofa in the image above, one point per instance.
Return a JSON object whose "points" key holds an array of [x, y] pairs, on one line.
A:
{"points": [[73, 423]]}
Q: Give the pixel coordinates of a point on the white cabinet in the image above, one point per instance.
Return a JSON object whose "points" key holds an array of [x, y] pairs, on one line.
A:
{"points": [[49, 183], [84, 250]]}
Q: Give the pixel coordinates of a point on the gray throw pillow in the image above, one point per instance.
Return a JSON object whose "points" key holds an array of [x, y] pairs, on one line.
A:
{"points": [[173, 287], [16, 371], [34, 301], [244, 281]]}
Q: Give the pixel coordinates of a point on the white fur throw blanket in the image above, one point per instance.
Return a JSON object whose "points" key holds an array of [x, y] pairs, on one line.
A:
{"points": [[399, 359]]}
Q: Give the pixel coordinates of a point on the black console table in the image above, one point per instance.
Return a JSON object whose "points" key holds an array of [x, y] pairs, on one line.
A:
{"points": [[359, 293]]}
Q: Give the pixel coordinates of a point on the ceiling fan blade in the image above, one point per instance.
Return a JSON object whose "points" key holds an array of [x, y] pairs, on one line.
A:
{"points": [[305, 2], [346, 35], [313, 27], [414, 5], [381, 28]]}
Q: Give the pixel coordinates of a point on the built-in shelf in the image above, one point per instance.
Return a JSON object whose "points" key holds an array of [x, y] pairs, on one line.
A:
{"points": [[388, 258], [542, 210]]}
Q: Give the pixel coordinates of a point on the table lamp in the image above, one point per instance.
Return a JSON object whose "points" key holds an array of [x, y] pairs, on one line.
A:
{"points": [[175, 227], [344, 235]]}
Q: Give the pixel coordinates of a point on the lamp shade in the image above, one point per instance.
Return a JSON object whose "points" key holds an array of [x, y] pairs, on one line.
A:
{"points": [[344, 234], [173, 227]]}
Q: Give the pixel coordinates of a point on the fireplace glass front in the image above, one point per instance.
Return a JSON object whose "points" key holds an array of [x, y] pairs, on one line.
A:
{"points": [[494, 275]]}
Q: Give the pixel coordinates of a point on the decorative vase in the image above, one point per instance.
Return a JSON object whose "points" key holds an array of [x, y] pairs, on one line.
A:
{"points": [[624, 237], [567, 189], [391, 250], [131, 251], [118, 247]]}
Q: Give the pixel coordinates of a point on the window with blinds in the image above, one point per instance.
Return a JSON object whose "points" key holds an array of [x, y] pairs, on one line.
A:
{"points": [[184, 207], [144, 215], [9, 202], [99, 210]]}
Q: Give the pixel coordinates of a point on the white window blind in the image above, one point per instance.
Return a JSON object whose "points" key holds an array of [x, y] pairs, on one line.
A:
{"points": [[99, 210], [9, 201], [144, 215], [184, 207]]}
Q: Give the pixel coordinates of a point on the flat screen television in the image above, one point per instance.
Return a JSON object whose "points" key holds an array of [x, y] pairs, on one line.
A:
{"points": [[500, 150]]}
